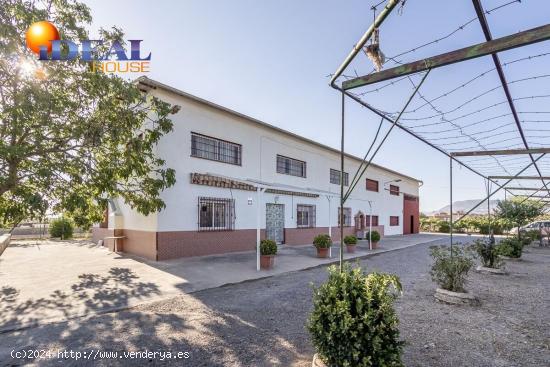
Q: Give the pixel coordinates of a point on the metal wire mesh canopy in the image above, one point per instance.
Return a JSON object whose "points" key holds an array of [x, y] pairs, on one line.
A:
{"points": [[490, 95]]}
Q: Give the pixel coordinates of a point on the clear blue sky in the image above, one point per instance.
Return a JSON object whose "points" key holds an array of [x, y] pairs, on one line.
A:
{"points": [[270, 59]]}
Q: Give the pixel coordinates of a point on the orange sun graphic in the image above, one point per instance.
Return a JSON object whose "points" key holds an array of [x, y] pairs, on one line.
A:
{"points": [[41, 34]]}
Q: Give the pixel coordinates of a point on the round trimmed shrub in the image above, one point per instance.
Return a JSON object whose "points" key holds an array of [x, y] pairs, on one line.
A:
{"points": [[450, 267], [322, 241], [350, 240], [510, 247], [375, 236], [353, 322], [443, 226], [268, 247], [61, 228]]}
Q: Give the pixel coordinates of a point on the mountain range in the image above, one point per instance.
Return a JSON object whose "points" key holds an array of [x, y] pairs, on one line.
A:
{"points": [[465, 205]]}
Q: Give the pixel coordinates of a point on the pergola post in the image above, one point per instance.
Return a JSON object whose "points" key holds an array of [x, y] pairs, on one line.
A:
{"points": [[258, 225]]}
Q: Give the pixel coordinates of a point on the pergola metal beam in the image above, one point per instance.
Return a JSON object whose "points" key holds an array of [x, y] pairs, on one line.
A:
{"points": [[501, 152], [407, 130], [498, 189], [520, 39], [519, 177], [361, 43], [526, 188], [488, 37]]}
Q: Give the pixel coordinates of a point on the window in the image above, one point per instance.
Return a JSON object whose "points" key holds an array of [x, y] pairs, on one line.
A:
{"points": [[394, 190], [215, 149], [305, 216], [216, 214], [347, 217], [372, 185], [410, 198], [335, 177], [374, 220], [394, 221], [290, 166]]}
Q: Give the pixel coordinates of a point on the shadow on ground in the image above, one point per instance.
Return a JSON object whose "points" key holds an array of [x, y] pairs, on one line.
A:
{"points": [[92, 293]]}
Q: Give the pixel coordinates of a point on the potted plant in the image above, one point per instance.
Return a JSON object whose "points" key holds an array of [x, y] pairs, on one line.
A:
{"points": [[353, 321], [490, 260], [322, 242], [268, 250], [450, 270], [351, 243], [374, 237]]}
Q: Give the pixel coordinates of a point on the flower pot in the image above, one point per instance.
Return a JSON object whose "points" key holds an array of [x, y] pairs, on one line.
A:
{"points": [[322, 252], [350, 248], [374, 244], [267, 261]]}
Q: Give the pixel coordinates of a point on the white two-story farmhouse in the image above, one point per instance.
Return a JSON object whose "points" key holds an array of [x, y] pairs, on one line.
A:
{"points": [[235, 174]]}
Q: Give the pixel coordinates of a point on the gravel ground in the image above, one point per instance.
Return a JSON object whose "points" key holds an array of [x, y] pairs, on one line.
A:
{"points": [[261, 323]]}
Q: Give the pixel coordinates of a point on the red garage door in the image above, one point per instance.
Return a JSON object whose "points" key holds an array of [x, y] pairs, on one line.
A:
{"points": [[411, 214]]}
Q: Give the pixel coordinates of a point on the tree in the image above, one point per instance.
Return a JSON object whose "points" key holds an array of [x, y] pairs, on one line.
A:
{"points": [[519, 211], [71, 137]]}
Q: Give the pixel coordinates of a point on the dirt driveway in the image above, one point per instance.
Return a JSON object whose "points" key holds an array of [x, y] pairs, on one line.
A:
{"points": [[45, 281]]}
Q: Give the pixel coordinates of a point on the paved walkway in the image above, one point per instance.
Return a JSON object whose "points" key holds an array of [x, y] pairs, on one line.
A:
{"points": [[48, 281]]}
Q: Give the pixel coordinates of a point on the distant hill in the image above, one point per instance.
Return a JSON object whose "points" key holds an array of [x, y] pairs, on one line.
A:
{"points": [[465, 205]]}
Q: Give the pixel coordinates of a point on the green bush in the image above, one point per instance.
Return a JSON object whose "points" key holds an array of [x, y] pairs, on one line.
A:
{"points": [[451, 267], [350, 240], [530, 236], [268, 247], [61, 228], [322, 241], [488, 252], [375, 236], [353, 322], [443, 226], [510, 247]]}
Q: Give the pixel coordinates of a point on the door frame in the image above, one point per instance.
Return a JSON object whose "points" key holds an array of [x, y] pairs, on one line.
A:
{"points": [[283, 228]]}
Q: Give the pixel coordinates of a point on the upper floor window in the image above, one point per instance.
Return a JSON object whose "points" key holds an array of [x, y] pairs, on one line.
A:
{"points": [[394, 221], [394, 190], [215, 149], [374, 220], [335, 177], [372, 185], [216, 214], [290, 166], [305, 216], [347, 217]]}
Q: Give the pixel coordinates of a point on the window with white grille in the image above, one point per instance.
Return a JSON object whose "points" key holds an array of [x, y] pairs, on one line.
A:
{"points": [[216, 214], [305, 216], [335, 177], [291, 166], [347, 217], [215, 149]]}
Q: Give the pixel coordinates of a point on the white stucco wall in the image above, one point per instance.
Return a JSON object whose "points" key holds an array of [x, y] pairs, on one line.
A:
{"points": [[260, 145]]}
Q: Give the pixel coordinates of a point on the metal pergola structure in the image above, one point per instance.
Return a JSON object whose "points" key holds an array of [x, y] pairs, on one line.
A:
{"points": [[404, 71]]}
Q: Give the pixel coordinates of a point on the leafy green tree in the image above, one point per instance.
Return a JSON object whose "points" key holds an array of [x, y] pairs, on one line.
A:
{"points": [[519, 211], [70, 136]]}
